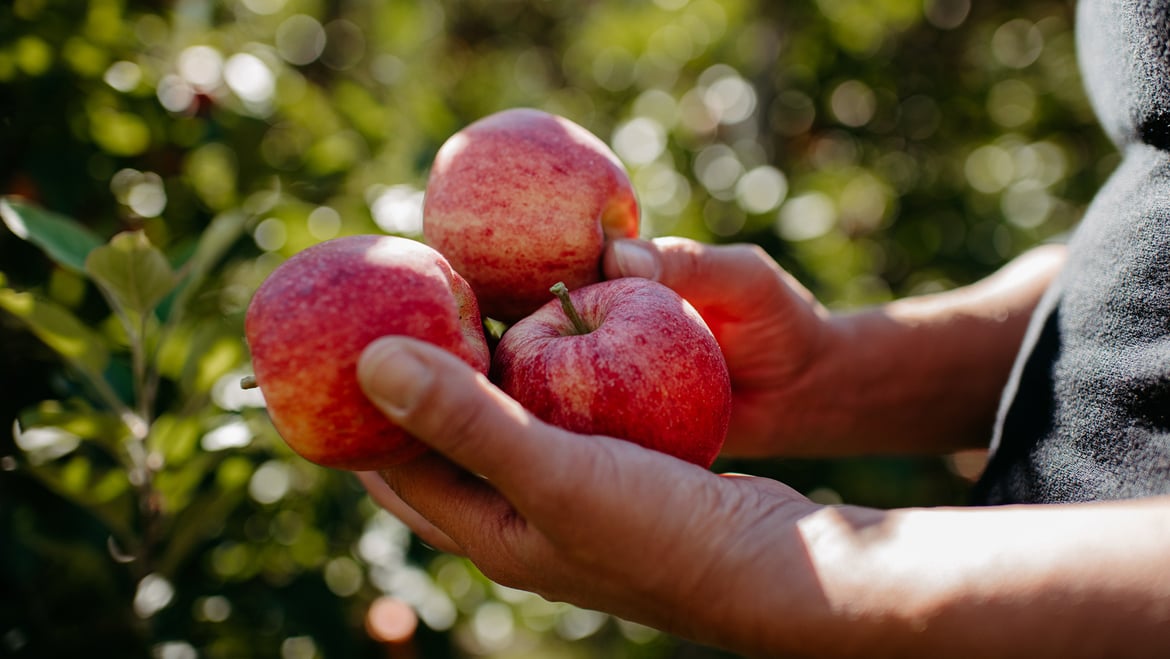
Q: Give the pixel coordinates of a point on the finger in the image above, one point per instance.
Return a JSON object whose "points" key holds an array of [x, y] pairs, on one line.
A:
{"points": [[388, 499], [476, 520], [446, 404], [703, 274]]}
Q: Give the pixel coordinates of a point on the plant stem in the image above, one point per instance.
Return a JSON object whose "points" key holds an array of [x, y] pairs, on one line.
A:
{"points": [[562, 292]]}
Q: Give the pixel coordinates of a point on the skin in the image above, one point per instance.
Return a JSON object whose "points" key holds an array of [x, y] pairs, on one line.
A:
{"points": [[746, 563]]}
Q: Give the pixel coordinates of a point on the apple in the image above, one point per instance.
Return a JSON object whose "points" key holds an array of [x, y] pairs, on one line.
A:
{"points": [[522, 199], [310, 319], [628, 358]]}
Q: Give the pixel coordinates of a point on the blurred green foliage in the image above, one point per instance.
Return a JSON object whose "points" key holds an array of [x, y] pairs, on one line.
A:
{"points": [[159, 158]]}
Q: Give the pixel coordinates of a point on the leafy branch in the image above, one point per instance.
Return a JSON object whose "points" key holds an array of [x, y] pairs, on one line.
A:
{"points": [[135, 278]]}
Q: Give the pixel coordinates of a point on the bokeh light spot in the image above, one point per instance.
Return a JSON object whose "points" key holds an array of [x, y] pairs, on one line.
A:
{"points": [[1017, 43], [174, 650], [154, 593], [250, 78], [853, 103], [662, 188], [270, 234], [730, 98], [989, 168], [1026, 204], [761, 189], [577, 624], [806, 216], [390, 620], [147, 197], [324, 223], [657, 105], [174, 93], [215, 608], [300, 39], [343, 576], [947, 14], [398, 209], [718, 168], [233, 434], [201, 67], [298, 647], [639, 141], [863, 203], [123, 76], [264, 7], [493, 626], [270, 482]]}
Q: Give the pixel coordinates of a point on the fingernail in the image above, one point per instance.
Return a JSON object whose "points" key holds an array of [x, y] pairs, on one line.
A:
{"points": [[635, 260], [392, 377]]}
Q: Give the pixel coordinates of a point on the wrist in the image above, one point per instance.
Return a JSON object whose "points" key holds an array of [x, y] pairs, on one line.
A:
{"points": [[875, 594]]}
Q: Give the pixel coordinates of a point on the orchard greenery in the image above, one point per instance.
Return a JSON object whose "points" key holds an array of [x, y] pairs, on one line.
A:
{"points": [[161, 158]]}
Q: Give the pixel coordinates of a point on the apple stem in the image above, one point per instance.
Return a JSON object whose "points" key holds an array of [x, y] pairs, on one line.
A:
{"points": [[249, 382], [562, 292]]}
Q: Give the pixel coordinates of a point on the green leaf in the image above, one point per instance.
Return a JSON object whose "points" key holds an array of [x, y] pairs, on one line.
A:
{"points": [[58, 329], [214, 242], [63, 239], [174, 437], [77, 417], [134, 274]]}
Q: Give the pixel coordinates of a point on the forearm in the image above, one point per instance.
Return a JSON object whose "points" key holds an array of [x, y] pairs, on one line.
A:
{"points": [[1086, 580], [925, 373]]}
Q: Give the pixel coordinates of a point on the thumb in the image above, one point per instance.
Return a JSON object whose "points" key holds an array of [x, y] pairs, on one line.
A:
{"points": [[443, 402]]}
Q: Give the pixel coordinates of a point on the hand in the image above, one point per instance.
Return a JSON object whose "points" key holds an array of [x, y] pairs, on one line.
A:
{"points": [[921, 374], [746, 563], [594, 521], [772, 330]]}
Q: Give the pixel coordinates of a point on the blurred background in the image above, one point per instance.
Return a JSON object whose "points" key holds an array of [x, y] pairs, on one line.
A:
{"points": [[876, 148]]}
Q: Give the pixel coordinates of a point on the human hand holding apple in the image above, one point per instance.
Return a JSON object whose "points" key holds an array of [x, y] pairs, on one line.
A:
{"points": [[518, 198]]}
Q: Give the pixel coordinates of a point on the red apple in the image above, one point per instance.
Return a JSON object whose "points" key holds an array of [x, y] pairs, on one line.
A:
{"points": [[310, 320], [522, 199], [638, 363]]}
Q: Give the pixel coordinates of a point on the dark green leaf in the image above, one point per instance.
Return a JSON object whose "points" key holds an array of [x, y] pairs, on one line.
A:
{"points": [[58, 329], [133, 273], [63, 239]]}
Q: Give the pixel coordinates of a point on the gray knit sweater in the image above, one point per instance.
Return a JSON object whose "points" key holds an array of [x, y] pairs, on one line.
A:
{"points": [[1086, 414]]}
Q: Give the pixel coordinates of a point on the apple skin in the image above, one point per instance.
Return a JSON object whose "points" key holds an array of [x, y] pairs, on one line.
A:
{"points": [[650, 371], [311, 318], [522, 199]]}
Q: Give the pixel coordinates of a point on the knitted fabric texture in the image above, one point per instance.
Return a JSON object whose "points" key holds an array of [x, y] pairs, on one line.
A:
{"points": [[1086, 413]]}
